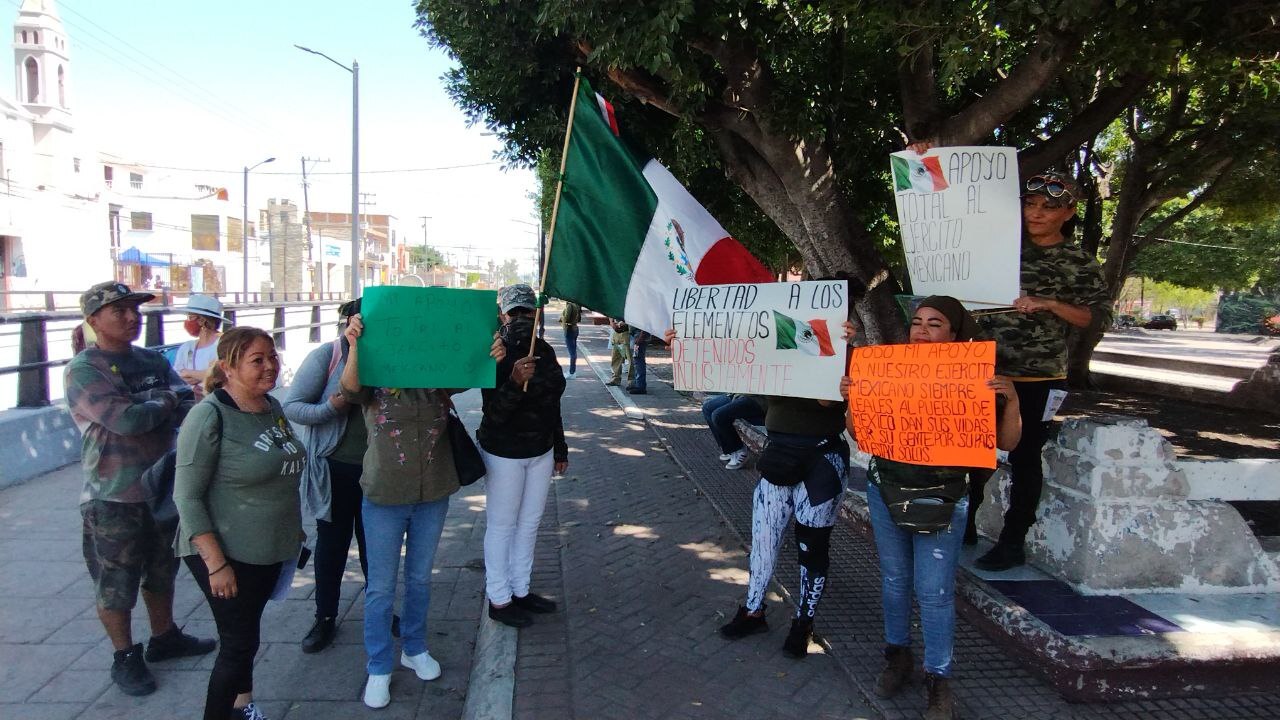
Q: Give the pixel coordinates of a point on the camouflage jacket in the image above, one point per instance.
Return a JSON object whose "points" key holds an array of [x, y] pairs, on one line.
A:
{"points": [[1035, 345], [520, 423], [128, 407]]}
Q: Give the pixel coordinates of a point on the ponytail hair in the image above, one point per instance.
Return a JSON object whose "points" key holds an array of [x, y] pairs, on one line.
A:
{"points": [[231, 347]]}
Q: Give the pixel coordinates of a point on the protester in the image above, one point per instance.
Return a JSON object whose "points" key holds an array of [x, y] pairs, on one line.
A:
{"points": [[1062, 288], [919, 543], [236, 488], [522, 441], [204, 322], [721, 411], [407, 478], [620, 352], [569, 320], [639, 384], [127, 403], [333, 433]]}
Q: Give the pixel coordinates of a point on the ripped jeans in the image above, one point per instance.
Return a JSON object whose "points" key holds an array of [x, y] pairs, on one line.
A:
{"points": [[927, 563]]}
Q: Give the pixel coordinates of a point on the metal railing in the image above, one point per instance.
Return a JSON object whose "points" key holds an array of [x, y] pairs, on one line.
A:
{"points": [[33, 345]]}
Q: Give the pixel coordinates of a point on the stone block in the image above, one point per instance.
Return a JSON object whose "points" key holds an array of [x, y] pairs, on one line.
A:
{"points": [[1115, 438], [1105, 478]]}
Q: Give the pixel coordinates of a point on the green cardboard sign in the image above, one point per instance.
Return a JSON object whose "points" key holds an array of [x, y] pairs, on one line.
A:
{"points": [[417, 337]]}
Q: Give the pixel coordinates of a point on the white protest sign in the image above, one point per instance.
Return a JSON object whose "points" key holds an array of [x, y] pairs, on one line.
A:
{"points": [[762, 339], [961, 221]]}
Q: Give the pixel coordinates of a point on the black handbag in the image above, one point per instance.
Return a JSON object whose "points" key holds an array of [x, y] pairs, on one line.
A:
{"points": [[466, 456], [784, 464]]}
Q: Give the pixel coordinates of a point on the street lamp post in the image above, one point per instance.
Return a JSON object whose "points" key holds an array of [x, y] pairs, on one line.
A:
{"points": [[244, 226], [355, 165]]}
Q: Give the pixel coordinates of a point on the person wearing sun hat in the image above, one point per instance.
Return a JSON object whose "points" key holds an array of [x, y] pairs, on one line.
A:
{"points": [[204, 324], [1062, 288], [127, 402]]}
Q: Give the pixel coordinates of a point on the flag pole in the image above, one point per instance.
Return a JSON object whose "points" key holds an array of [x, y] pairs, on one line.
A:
{"points": [[555, 205]]}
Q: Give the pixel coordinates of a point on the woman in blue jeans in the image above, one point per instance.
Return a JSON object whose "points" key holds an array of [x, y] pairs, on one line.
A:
{"points": [[911, 559], [408, 476]]}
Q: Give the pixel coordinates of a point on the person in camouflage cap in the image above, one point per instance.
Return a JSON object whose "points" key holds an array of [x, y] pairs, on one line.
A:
{"points": [[1062, 287], [127, 402]]}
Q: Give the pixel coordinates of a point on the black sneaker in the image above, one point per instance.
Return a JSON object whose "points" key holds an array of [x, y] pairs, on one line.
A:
{"points": [[744, 624], [534, 603], [1001, 557], [130, 672], [320, 636], [511, 614], [176, 644], [797, 643], [637, 391]]}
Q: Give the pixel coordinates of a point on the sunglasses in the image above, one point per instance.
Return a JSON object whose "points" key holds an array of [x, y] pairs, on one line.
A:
{"points": [[1051, 185]]}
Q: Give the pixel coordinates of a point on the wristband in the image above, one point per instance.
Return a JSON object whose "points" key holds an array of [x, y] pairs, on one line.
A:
{"points": [[221, 567]]}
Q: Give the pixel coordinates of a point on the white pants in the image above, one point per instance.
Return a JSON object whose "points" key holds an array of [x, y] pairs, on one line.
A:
{"points": [[516, 494]]}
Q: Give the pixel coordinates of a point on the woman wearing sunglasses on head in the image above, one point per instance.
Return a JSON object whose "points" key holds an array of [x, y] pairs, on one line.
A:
{"points": [[1062, 287]]}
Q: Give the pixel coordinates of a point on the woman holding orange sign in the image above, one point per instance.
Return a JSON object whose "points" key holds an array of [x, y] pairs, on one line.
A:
{"points": [[918, 514]]}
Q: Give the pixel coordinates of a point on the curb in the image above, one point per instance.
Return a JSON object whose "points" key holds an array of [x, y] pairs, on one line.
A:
{"points": [[624, 401], [491, 688]]}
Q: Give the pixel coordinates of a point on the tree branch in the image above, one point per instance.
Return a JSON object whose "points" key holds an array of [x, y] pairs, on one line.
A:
{"points": [[917, 86], [1086, 125], [1042, 64], [1220, 169]]}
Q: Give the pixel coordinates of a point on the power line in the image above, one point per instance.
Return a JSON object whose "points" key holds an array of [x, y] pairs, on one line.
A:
{"points": [[362, 172], [1188, 242]]}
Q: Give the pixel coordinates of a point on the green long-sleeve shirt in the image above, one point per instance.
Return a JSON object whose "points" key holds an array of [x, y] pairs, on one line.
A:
{"points": [[237, 477], [410, 458]]}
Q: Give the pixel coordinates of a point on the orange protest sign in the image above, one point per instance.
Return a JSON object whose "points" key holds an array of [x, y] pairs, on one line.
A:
{"points": [[925, 403]]}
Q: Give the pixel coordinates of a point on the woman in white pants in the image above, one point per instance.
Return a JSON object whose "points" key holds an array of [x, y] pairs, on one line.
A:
{"points": [[522, 439]]}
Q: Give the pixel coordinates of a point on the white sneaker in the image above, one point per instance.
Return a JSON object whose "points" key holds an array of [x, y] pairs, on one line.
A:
{"points": [[724, 457], [570, 375], [377, 692], [424, 665], [736, 460]]}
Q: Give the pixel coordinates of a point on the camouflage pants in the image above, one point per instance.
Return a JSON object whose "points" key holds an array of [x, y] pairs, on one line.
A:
{"points": [[124, 549]]}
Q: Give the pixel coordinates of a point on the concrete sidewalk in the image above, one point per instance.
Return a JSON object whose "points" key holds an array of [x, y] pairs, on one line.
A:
{"points": [[55, 658]]}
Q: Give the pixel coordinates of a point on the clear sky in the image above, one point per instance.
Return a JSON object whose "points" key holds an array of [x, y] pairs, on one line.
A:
{"points": [[217, 86]]}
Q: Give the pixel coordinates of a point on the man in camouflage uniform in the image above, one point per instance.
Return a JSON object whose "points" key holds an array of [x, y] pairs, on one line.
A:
{"points": [[1062, 287], [128, 402]]}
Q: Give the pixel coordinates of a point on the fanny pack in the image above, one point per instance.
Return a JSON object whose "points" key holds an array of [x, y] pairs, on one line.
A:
{"points": [[785, 464], [920, 498]]}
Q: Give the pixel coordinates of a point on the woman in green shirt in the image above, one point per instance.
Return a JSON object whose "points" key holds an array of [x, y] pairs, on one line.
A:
{"points": [[236, 489]]}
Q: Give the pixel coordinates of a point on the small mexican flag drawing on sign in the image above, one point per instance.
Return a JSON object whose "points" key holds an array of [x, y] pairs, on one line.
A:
{"points": [[811, 338], [924, 175]]}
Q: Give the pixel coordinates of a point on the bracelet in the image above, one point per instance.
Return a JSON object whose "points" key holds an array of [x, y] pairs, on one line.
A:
{"points": [[221, 567]]}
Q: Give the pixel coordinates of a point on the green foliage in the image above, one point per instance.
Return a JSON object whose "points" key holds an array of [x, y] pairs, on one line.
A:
{"points": [[1226, 255], [425, 257], [1250, 314]]}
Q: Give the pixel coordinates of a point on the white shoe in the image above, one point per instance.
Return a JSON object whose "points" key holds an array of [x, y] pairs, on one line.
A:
{"points": [[724, 457], [570, 375], [377, 692], [736, 460], [424, 665]]}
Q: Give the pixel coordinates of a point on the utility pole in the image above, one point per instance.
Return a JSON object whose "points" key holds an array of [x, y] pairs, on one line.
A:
{"points": [[366, 199], [306, 219]]}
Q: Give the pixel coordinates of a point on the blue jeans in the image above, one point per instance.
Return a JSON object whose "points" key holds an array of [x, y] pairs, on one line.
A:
{"points": [[720, 412], [387, 529], [639, 346], [571, 342], [927, 562]]}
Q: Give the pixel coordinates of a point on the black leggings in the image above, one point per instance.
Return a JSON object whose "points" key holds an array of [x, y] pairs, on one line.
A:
{"points": [[1027, 475], [333, 536], [239, 621]]}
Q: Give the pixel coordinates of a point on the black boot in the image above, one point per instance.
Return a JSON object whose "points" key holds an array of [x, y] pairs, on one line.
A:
{"points": [[744, 624], [1003, 556], [130, 672], [320, 636], [899, 663], [941, 705], [797, 642]]}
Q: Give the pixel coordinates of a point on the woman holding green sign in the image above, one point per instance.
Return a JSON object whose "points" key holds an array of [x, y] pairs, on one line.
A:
{"points": [[408, 476]]}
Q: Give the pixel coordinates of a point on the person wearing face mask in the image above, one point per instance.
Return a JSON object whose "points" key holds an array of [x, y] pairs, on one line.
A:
{"points": [[522, 441], [194, 357], [918, 515]]}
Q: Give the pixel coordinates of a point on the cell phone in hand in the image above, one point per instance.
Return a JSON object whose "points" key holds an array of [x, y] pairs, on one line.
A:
{"points": [[303, 556]]}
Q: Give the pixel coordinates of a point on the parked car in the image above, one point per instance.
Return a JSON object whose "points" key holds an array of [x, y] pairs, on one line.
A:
{"points": [[1126, 321], [1161, 322]]}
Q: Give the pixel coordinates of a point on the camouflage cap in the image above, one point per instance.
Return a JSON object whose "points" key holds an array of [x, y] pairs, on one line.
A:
{"points": [[514, 296], [106, 293]]}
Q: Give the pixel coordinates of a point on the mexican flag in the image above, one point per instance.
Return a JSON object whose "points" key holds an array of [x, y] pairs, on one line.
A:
{"points": [[628, 234], [924, 175], [811, 338]]}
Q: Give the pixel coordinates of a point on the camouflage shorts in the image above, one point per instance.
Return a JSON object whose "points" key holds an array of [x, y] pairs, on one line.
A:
{"points": [[124, 548]]}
